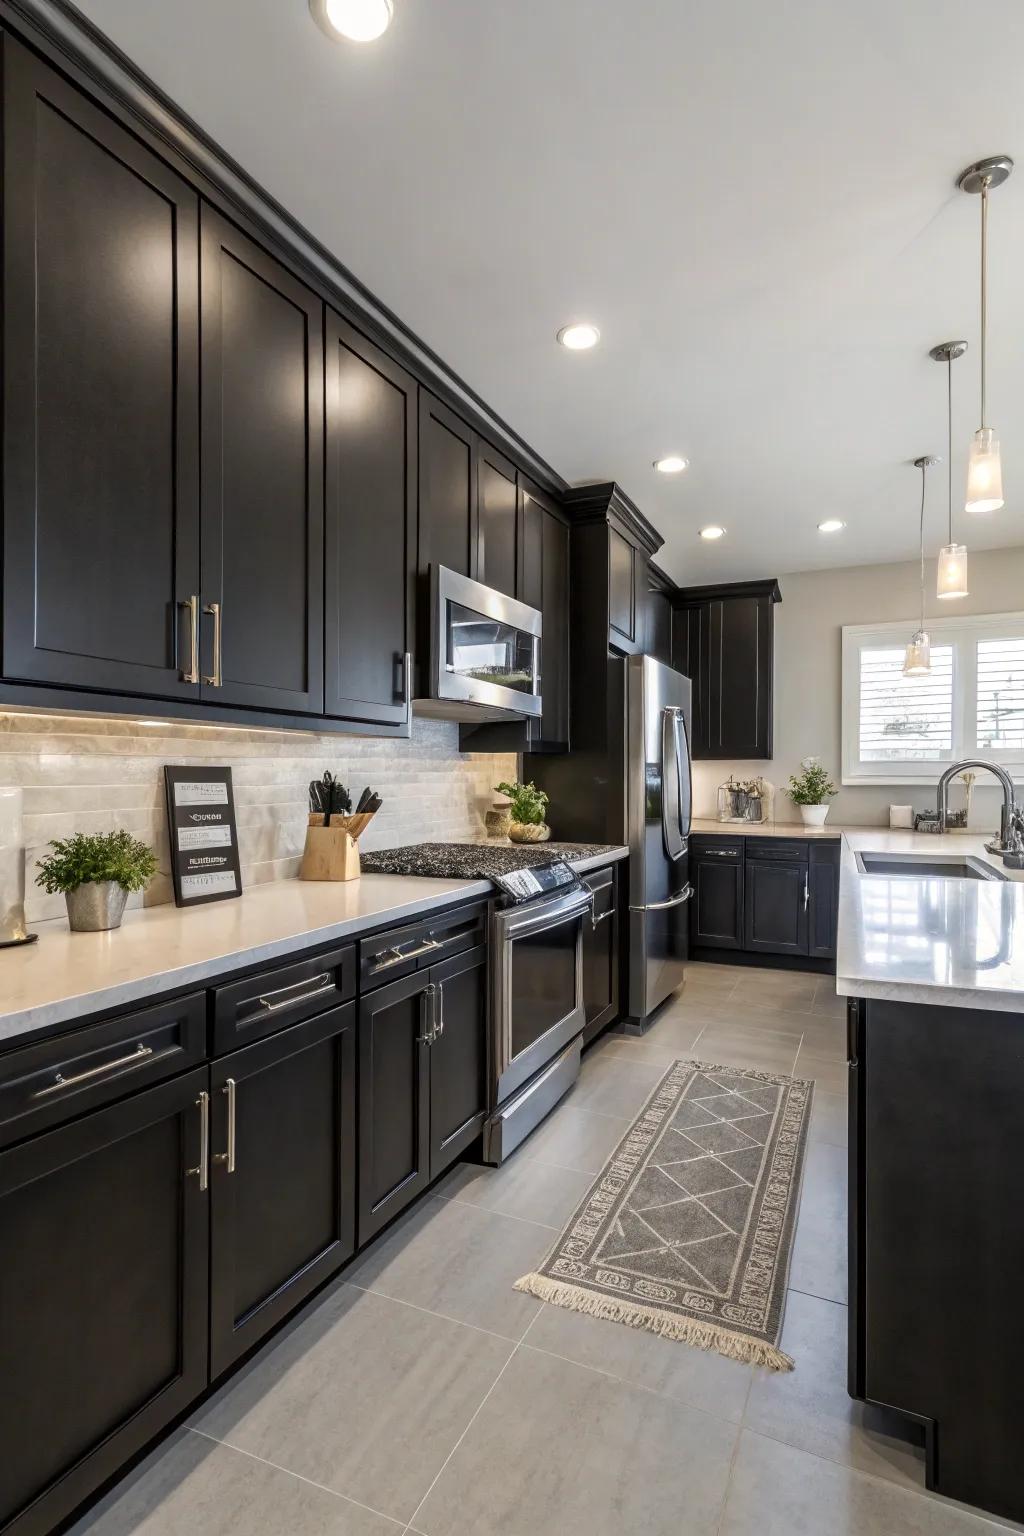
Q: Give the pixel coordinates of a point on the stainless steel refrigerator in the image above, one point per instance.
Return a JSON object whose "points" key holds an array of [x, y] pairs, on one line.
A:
{"points": [[658, 813]]}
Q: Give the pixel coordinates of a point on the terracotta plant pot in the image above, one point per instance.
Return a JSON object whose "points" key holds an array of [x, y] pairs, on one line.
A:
{"points": [[813, 815], [529, 831]]}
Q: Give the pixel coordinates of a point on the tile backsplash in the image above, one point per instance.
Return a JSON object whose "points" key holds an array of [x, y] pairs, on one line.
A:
{"points": [[97, 774]]}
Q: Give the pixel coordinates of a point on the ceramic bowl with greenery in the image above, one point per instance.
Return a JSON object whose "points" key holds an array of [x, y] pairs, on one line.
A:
{"points": [[528, 805], [96, 874]]}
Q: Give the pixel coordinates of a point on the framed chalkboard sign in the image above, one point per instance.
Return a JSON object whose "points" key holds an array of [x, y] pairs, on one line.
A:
{"points": [[204, 838]]}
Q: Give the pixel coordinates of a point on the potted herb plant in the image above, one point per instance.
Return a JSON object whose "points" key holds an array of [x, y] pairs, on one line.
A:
{"points": [[811, 791], [527, 804], [95, 874]]}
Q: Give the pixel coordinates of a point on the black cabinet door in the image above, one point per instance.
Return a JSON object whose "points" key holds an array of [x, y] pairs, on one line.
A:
{"points": [[690, 656], [497, 526], [394, 1100], [370, 522], [622, 615], [823, 912], [543, 564], [283, 1176], [448, 490], [101, 392], [776, 899], [659, 627], [601, 955], [716, 915], [458, 1056], [738, 719], [262, 366], [103, 1297]]}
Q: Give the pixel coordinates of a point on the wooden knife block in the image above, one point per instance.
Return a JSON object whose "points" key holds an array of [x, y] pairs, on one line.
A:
{"points": [[330, 854]]}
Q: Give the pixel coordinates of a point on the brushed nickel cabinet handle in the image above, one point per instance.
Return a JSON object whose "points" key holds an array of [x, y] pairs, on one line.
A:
{"points": [[216, 679], [228, 1157], [202, 1171], [397, 957], [136, 1058], [807, 893], [298, 992], [439, 1025], [427, 1002], [595, 922], [191, 673]]}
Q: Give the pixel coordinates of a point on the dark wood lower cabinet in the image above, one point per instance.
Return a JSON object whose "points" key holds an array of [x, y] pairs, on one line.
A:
{"points": [[823, 890], [103, 1297], [282, 1176], [601, 955], [776, 899], [422, 1082], [717, 910]]}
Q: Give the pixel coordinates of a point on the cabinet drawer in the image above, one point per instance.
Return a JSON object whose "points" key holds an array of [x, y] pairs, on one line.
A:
{"points": [[401, 951], [43, 1084], [792, 849], [717, 847], [602, 883], [272, 1000]]}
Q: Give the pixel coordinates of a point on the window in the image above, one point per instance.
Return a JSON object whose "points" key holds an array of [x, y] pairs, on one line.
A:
{"points": [[905, 730]]}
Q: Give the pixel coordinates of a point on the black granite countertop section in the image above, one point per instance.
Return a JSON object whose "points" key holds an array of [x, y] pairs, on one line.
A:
{"points": [[474, 861]]}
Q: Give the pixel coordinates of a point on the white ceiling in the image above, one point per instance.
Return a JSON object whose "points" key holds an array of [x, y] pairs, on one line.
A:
{"points": [[754, 202]]}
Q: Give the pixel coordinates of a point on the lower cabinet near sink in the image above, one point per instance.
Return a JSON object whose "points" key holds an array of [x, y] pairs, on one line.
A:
{"points": [[764, 896]]}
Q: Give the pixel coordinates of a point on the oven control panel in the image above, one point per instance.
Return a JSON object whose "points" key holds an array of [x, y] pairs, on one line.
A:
{"points": [[541, 880]]}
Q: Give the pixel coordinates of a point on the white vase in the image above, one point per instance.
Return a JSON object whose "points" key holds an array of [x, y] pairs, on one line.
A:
{"points": [[813, 815]]}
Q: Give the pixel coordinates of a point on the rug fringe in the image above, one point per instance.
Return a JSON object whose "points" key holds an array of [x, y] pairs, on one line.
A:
{"points": [[667, 1325]]}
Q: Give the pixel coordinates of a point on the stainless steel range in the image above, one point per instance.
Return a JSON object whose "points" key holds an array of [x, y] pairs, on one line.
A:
{"points": [[537, 1011]]}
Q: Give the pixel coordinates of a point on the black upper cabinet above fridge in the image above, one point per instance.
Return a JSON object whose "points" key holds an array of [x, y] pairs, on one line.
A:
{"points": [[101, 397], [723, 639]]}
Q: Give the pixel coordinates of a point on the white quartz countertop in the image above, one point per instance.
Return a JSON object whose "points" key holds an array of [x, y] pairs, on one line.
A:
{"points": [[67, 976], [711, 826], [949, 942]]}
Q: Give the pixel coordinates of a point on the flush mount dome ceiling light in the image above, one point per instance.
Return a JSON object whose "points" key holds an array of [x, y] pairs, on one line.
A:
{"points": [[984, 467], [831, 525], [579, 337], [712, 531], [361, 21], [672, 464]]}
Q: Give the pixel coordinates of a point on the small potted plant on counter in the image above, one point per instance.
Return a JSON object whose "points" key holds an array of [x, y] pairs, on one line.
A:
{"points": [[811, 790], [527, 804], [95, 875]]}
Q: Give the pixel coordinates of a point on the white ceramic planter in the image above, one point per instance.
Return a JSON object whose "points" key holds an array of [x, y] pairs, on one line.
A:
{"points": [[813, 815]]}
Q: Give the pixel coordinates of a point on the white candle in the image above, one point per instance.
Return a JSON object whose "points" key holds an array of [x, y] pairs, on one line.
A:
{"points": [[12, 867]]}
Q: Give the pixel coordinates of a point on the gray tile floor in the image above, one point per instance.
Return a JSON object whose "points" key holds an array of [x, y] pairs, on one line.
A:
{"points": [[421, 1393]]}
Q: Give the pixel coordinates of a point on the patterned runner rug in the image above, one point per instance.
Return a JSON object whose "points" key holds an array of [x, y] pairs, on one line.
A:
{"points": [[688, 1231]]}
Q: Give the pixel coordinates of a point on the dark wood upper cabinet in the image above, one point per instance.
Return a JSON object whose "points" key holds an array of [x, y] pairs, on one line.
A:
{"points": [[101, 451], [262, 486], [283, 1191], [723, 640], [448, 490], [498, 520], [658, 617], [370, 524], [103, 1297], [622, 607]]}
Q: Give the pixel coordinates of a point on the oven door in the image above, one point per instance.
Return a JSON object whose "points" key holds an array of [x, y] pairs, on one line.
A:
{"points": [[485, 648], [538, 984]]}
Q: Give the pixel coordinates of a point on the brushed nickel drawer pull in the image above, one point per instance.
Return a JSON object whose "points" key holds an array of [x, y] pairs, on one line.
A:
{"points": [[203, 1169], [228, 1157], [439, 1026], [216, 680], [398, 957], [191, 673], [429, 1034], [140, 1054], [597, 921], [298, 992]]}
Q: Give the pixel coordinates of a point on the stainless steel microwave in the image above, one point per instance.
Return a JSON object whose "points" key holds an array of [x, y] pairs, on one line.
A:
{"points": [[485, 650]]}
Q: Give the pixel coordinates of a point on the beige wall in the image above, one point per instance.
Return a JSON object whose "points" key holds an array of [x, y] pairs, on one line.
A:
{"points": [[808, 661], [93, 774]]}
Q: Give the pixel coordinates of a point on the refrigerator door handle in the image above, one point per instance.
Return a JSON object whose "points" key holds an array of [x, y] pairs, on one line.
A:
{"points": [[673, 901], [671, 785], [685, 778]]}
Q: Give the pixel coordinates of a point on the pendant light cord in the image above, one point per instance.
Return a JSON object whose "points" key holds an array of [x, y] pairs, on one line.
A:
{"points": [[949, 451], [984, 289], [924, 472]]}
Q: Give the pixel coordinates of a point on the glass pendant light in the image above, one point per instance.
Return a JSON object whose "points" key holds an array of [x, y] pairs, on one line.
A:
{"points": [[951, 581], [917, 661], [984, 466]]}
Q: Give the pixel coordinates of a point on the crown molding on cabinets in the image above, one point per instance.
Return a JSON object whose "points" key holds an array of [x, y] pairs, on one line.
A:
{"points": [[59, 31]]}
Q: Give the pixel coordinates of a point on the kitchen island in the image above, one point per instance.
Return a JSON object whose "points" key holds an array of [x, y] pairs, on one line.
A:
{"points": [[933, 968]]}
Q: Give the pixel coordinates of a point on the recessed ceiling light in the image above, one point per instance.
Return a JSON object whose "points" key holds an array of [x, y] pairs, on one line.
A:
{"points": [[579, 337], [712, 531], [673, 465], [831, 525], [361, 21]]}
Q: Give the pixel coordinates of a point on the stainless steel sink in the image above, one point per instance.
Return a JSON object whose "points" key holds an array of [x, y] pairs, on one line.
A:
{"points": [[927, 866]]}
